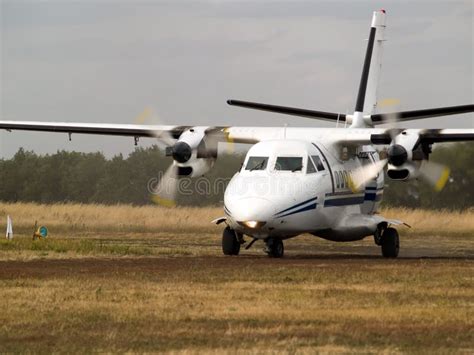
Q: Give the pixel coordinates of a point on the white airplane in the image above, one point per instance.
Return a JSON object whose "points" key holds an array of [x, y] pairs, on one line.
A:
{"points": [[327, 182]]}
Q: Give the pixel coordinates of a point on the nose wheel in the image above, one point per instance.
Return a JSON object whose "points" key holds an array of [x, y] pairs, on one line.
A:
{"points": [[274, 247], [232, 240]]}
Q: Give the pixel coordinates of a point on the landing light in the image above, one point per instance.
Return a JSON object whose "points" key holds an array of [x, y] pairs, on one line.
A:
{"points": [[252, 224]]}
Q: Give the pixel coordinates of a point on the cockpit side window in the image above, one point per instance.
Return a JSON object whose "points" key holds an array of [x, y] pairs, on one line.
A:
{"points": [[311, 169], [289, 164], [256, 163], [318, 162]]}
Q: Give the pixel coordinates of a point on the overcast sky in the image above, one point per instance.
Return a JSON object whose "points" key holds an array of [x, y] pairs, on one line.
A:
{"points": [[105, 61]]}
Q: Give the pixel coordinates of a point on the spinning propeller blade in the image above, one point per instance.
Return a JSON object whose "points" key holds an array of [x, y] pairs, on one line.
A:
{"points": [[164, 138], [364, 174], [165, 193], [360, 177], [437, 175]]}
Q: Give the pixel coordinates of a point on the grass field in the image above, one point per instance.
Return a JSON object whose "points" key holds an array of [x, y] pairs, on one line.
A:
{"points": [[145, 279]]}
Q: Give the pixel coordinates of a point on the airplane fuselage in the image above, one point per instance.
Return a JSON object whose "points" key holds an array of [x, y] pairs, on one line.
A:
{"points": [[310, 193]]}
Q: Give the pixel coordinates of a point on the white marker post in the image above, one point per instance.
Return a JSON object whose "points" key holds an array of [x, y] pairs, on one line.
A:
{"points": [[9, 234]]}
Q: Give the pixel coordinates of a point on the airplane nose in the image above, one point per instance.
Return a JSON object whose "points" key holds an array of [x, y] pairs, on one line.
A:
{"points": [[251, 211]]}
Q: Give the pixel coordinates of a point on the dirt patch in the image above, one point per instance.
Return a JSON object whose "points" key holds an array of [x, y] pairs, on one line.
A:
{"points": [[88, 267]]}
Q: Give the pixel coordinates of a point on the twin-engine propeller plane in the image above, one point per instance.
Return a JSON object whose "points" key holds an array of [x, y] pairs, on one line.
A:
{"points": [[328, 182]]}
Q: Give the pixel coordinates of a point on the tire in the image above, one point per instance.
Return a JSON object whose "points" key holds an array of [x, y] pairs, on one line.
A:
{"points": [[230, 244], [275, 248], [390, 243]]}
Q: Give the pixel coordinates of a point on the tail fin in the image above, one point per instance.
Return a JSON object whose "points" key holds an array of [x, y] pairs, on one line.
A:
{"points": [[367, 96]]}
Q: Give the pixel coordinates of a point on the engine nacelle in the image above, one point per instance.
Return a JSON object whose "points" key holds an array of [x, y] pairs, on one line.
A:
{"points": [[404, 172], [194, 153], [405, 156], [195, 167]]}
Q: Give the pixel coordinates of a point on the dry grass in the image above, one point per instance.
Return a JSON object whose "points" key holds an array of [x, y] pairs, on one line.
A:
{"points": [[78, 218], [435, 222], [147, 279], [227, 304], [117, 218]]}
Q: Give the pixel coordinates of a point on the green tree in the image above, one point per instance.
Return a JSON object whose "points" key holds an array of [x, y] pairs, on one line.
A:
{"points": [[71, 176]]}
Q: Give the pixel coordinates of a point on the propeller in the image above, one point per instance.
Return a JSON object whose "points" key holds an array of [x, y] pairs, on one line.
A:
{"points": [[361, 176], [193, 154], [164, 138], [437, 175], [164, 193]]}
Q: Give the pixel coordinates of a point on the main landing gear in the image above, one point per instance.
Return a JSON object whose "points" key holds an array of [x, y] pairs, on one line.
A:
{"points": [[232, 240], [388, 239]]}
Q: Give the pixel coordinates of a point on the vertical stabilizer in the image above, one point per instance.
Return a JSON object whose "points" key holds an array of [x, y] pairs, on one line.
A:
{"points": [[9, 234], [367, 95]]}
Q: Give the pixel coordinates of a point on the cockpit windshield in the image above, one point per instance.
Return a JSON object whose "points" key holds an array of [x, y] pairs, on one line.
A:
{"points": [[289, 163], [256, 163]]}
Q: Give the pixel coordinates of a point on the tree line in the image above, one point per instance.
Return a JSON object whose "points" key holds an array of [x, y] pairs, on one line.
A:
{"points": [[91, 178]]}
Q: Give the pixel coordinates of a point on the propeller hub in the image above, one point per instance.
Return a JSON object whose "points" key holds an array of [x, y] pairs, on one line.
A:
{"points": [[181, 152], [397, 155]]}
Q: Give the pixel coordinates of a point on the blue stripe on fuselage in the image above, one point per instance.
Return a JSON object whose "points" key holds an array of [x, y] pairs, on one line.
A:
{"points": [[344, 201], [373, 193], [373, 197], [297, 205], [306, 208]]}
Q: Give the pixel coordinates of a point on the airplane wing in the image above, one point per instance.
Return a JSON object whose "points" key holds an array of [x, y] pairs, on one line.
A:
{"points": [[249, 135], [129, 130], [361, 136]]}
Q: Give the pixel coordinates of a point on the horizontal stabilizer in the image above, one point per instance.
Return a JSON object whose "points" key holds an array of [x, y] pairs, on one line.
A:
{"points": [[381, 118], [427, 136], [327, 116]]}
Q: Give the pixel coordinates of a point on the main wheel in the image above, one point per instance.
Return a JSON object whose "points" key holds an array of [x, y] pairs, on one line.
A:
{"points": [[390, 243], [275, 248], [230, 243]]}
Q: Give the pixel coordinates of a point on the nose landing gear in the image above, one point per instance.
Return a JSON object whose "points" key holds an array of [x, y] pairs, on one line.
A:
{"points": [[274, 247], [232, 240]]}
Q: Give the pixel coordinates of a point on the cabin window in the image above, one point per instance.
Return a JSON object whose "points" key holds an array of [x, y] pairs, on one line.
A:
{"points": [[346, 180], [256, 163], [289, 164], [318, 162], [340, 180], [311, 169]]}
